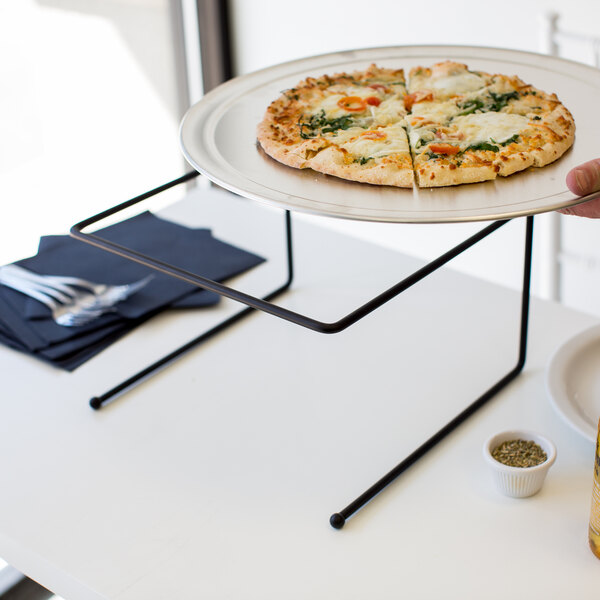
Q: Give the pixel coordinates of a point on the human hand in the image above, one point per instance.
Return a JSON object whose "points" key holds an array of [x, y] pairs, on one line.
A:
{"points": [[582, 180]]}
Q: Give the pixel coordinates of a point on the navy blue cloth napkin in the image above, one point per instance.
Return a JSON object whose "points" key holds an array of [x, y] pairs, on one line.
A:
{"points": [[26, 324]]}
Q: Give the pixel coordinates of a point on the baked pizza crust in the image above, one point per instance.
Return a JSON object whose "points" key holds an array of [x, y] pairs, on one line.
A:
{"points": [[331, 161], [444, 174]]}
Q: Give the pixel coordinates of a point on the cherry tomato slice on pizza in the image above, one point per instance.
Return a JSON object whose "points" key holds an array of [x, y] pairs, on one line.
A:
{"points": [[443, 149], [373, 134], [373, 101], [416, 97], [352, 104], [443, 134], [379, 86]]}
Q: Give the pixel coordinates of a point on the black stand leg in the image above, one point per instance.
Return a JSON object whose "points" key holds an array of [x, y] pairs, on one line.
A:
{"points": [[97, 401], [252, 303], [338, 520]]}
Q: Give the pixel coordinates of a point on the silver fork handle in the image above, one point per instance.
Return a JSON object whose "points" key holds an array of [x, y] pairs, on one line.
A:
{"points": [[29, 290], [62, 286], [57, 290], [69, 314], [54, 286], [62, 282]]}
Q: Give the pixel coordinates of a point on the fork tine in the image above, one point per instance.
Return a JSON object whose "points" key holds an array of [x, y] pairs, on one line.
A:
{"points": [[80, 318], [115, 294]]}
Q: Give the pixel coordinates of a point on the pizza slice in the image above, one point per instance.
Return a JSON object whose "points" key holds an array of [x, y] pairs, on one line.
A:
{"points": [[479, 132], [349, 125], [442, 81]]}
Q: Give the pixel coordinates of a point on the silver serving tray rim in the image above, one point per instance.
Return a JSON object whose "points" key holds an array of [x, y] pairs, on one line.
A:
{"points": [[218, 138]]}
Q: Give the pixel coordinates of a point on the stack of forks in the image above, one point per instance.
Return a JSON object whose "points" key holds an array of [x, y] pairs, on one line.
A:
{"points": [[73, 301]]}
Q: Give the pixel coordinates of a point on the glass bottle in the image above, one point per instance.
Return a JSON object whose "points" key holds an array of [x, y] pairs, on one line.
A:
{"points": [[594, 530]]}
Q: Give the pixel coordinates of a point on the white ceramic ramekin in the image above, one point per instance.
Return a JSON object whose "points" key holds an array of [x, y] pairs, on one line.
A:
{"points": [[519, 482]]}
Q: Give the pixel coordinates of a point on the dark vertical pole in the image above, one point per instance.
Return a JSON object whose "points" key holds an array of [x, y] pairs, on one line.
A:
{"points": [[215, 42], [179, 53]]}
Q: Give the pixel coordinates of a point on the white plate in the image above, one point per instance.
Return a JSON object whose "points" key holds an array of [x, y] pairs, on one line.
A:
{"points": [[573, 382], [218, 137]]}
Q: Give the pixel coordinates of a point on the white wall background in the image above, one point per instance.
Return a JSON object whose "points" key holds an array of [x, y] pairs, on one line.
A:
{"points": [[88, 112], [272, 31]]}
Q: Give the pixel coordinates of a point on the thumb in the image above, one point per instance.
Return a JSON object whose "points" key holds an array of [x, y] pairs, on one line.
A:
{"points": [[585, 178]]}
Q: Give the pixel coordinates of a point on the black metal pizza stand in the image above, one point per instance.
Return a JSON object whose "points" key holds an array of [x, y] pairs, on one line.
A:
{"points": [[266, 305]]}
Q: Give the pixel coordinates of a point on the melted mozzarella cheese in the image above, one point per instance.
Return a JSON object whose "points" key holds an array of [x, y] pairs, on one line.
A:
{"points": [[438, 112], [483, 127], [457, 84], [420, 134], [389, 111], [329, 104], [357, 142]]}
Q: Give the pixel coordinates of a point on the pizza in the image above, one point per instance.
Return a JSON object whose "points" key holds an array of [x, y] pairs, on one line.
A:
{"points": [[443, 125]]}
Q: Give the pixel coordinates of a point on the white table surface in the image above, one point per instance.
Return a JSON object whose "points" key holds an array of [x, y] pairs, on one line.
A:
{"points": [[216, 478]]}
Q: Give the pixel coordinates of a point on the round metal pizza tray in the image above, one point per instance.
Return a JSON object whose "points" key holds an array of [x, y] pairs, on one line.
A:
{"points": [[218, 138]]}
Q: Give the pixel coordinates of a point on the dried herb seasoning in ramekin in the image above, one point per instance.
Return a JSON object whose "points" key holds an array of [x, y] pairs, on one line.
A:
{"points": [[519, 453]]}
